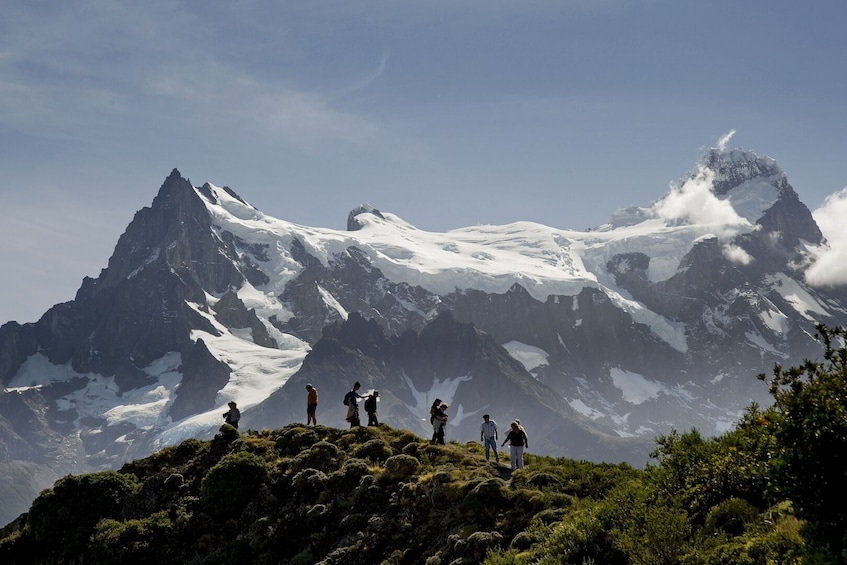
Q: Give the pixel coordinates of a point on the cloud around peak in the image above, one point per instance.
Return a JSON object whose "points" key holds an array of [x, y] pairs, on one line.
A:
{"points": [[694, 202], [829, 267]]}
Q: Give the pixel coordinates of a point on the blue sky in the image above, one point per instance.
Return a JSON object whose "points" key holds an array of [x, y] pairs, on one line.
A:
{"points": [[447, 114]]}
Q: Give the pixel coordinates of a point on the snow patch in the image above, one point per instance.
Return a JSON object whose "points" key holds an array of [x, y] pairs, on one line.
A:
{"points": [[634, 387], [800, 299], [529, 356]]}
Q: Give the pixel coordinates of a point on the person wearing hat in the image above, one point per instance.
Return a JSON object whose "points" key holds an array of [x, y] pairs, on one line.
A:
{"points": [[488, 437], [233, 415], [370, 408], [311, 405]]}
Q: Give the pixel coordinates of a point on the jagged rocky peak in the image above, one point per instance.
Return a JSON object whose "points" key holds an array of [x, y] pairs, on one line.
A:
{"points": [[734, 167], [353, 224], [174, 186]]}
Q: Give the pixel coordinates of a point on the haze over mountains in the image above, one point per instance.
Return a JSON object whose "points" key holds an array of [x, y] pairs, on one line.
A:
{"points": [[598, 341]]}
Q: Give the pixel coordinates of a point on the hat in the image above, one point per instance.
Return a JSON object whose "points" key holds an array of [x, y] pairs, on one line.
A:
{"points": [[444, 406], [308, 386], [231, 403], [486, 416]]}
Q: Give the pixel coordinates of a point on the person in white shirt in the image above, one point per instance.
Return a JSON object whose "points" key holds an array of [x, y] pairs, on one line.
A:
{"points": [[488, 437]]}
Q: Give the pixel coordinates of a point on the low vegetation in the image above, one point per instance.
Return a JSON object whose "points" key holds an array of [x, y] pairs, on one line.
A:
{"points": [[766, 492]]}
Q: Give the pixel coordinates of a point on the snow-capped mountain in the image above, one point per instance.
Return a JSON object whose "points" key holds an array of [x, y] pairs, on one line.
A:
{"points": [[598, 341]]}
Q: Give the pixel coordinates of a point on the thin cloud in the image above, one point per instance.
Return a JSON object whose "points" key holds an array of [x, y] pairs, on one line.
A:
{"points": [[372, 76], [724, 140], [829, 267], [219, 97], [118, 67]]}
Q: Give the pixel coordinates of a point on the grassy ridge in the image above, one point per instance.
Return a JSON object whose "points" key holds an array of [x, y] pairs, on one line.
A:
{"points": [[306, 495]]}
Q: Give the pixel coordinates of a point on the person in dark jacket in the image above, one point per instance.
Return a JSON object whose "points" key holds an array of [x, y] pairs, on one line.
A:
{"points": [[517, 442], [352, 402], [440, 423], [233, 415], [370, 408], [436, 406]]}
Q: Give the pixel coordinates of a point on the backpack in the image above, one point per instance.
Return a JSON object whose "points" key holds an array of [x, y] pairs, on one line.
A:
{"points": [[347, 399]]}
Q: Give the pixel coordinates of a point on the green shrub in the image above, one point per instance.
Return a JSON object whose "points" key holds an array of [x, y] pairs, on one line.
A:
{"points": [[486, 495], [542, 480], [347, 478], [401, 466], [293, 439], [730, 516], [132, 541], [309, 482], [63, 518], [375, 450], [322, 455], [231, 483], [174, 481]]}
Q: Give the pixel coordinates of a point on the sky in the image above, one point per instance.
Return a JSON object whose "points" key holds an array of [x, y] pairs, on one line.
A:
{"points": [[447, 114]]}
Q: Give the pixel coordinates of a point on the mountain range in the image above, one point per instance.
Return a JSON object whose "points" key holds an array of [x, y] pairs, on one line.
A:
{"points": [[597, 340]]}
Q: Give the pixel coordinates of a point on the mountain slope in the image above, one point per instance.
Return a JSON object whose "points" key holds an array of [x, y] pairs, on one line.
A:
{"points": [[596, 340]]}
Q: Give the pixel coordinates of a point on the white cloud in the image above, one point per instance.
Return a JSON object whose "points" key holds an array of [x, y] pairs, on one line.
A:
{"points": [[736, 254], [724, 140], [829, 267], [695, 202]]}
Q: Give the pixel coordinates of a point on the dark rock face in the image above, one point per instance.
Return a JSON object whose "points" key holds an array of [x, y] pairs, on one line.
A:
{"points": [[359, 287], [232, 313], [354, 224], [202, 377]]}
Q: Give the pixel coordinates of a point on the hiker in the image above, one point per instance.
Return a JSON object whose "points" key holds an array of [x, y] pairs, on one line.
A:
{"points": [[311, 405], [233, 415], [517, 442], [440, 423], [370, 408], [488, 436], [436, 406], [520, 426], [351, 400]]}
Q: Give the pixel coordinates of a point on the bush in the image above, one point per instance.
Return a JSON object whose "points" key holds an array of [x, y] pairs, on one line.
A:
{"points": [[232, 483], [322, 455], [133, 541], [730, 517], [487, 495], [309, 482], [401, 466], [295, 439], [347, 478], [375, 450], [64, 517]]}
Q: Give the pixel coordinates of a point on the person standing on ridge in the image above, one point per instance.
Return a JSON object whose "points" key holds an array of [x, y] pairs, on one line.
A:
{"points": [[440, 423], [311, 405], [488, 436], [351, 401], [370, 408], [436, 406], [517, 442], [233, 415]]}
